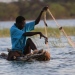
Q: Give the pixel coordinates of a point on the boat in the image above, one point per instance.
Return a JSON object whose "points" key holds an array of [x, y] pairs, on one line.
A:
{"points": [[40, 55]]}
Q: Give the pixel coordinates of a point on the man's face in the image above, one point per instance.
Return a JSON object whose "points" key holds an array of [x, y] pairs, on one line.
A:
{"points": [[21, 25]]}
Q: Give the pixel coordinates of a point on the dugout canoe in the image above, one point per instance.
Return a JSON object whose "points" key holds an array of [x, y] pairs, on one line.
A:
{"points": [[39, 56]]}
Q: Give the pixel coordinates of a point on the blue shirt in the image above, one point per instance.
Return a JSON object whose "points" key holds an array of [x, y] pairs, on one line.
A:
{"points": [[17, 39]]}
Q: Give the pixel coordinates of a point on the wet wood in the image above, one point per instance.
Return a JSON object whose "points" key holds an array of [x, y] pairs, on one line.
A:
{"points": [[41, 55]]}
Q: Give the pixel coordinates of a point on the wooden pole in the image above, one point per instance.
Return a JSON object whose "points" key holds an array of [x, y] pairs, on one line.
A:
{"points": [[69, 39]]}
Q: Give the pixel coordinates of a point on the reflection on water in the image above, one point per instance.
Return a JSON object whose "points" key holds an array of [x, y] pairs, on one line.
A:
{"points": [[62, 59]]}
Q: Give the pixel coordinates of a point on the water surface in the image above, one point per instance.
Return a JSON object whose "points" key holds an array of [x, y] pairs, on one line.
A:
{"points": [[51, 23], [62, 59], [62, 54]]}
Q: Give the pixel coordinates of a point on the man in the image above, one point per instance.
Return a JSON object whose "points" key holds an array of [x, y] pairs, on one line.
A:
{"points": [[19, 32]]}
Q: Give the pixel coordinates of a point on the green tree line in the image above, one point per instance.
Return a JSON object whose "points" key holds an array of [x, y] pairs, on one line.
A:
{"points": [[30, 9]]}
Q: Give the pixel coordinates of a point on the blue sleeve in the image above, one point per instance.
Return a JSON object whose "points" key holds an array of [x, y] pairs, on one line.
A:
{"points": [[16, 33], [29, 26]]}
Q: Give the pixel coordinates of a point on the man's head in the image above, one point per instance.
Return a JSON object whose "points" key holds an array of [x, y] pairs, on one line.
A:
{"points": [[20, 22]]}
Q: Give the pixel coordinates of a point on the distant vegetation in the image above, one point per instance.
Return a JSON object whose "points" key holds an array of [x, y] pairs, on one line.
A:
{"points": [[55, 32], [52, 32], [4, 32], [30, 9]]}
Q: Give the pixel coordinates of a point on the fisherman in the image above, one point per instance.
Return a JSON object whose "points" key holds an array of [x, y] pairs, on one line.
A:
{"points": [[21, 30]]}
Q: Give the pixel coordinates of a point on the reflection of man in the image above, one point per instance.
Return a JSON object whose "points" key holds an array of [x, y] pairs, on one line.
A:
{"points": [[19, 32]]}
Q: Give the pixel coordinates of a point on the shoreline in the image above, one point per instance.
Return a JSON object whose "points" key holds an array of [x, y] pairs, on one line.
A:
{"points": [[52, 32]]}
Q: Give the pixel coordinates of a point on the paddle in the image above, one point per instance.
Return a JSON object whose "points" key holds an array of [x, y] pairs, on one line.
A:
{"points": [[69, 39]]}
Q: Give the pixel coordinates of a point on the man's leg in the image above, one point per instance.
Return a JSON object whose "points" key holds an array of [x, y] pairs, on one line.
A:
{"points": [[29, 45]]}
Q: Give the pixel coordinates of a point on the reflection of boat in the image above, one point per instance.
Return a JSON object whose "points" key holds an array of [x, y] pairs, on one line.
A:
{"points": [[41, 55]]}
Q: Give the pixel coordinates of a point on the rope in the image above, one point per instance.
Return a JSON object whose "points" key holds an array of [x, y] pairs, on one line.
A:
{"points": [[46, 42], [69, 39]]}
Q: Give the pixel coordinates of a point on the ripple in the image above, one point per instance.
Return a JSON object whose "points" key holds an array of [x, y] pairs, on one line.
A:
{"points": [[62, 60]]}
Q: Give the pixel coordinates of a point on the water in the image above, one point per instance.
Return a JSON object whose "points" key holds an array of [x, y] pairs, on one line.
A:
{"points": [[51, 23], [62, 59], [62, 54]]}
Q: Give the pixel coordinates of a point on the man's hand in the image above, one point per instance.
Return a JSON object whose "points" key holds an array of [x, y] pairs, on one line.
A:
{"points": [[39, 17], [41, 35], [45, 8], [46, 39]]}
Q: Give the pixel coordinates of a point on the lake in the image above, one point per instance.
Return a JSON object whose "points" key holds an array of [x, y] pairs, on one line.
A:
{"points": [[62, 55], [62, 59], [51, 23]]}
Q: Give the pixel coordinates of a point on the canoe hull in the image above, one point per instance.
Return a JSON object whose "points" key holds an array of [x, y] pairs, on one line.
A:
{"points": [[39, 56]]}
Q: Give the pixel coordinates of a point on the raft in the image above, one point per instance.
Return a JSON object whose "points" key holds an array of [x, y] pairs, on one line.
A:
{"points": [[41, 55]]}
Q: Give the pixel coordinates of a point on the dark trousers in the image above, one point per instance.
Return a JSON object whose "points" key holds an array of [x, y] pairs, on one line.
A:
{"points": [[29, 45]]}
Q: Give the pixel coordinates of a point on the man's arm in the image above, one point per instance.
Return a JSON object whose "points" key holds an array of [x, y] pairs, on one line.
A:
{"points": [[34, 33], [39, 17], [30, 33]]}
